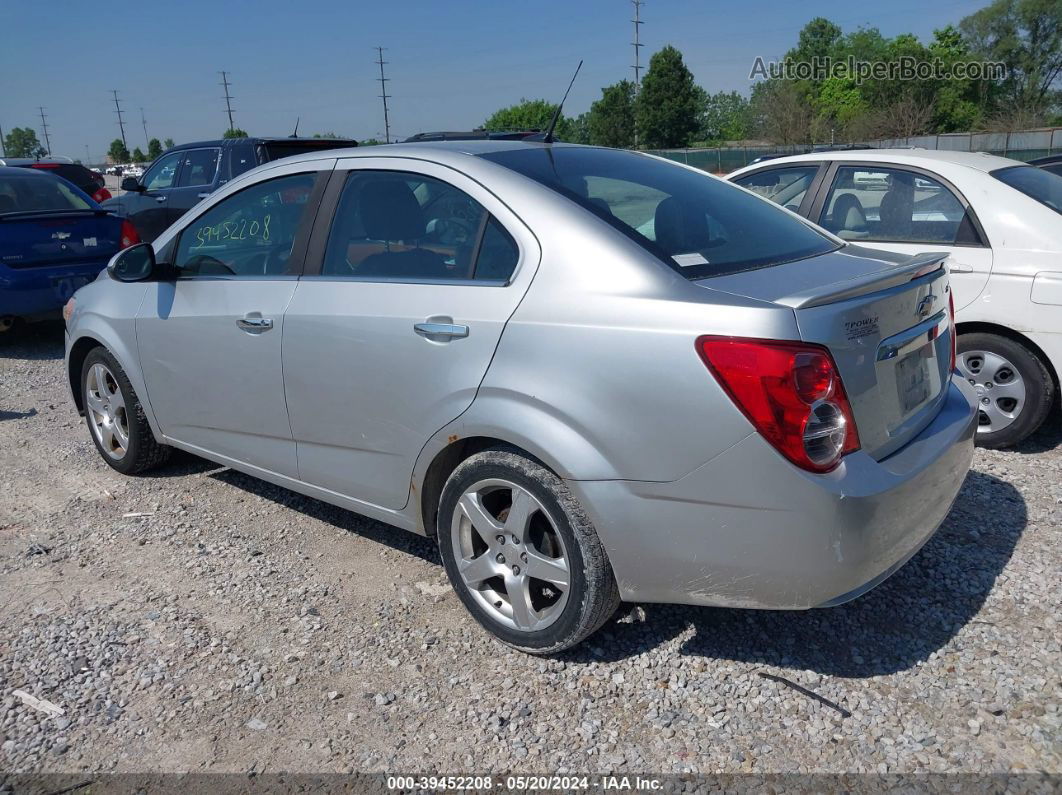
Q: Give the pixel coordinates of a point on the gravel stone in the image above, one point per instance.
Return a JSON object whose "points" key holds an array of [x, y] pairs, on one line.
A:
{"points": [[225, 597]]}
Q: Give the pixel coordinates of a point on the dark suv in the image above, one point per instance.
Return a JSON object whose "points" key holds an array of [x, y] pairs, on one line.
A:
{"points": [[89, 181], [181, 177]]}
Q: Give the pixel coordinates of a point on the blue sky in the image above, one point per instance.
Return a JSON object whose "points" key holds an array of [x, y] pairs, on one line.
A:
{"points": [[451, 63]]}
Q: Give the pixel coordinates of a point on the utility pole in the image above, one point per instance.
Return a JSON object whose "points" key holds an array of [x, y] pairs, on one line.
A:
{"points": [[44, 129], [118, 110], [88, 157], [637, 54], [143, 121], [3, 144], [384, 95], [228, 98]]}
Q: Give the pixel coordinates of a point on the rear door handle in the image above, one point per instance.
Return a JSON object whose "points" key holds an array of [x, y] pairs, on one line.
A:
{"points": [[160, 198], [203, 195], [255, 323], [451, 330]]}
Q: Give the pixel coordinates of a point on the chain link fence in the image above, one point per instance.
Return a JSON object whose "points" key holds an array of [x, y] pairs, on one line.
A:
{"points": [[1023, 145]]}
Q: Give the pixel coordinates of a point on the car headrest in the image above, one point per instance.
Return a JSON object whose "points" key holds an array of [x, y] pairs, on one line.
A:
{"points": [[680, 228], [389, 211]]}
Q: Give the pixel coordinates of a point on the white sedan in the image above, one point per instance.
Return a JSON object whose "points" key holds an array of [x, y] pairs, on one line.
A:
{"points": [[1001, 222]]}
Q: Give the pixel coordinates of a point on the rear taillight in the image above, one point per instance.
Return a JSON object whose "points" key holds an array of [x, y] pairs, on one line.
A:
{"points": [[129, 235], [951, 327], [101, 195], [792, 394]]}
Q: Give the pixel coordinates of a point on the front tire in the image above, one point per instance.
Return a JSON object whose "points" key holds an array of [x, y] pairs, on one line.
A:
{"points": [[115, 418], [522, 555], [1014, 389]]}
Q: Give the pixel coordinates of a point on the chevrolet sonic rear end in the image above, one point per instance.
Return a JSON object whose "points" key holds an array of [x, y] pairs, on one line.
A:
{"points": [[593, 375]]}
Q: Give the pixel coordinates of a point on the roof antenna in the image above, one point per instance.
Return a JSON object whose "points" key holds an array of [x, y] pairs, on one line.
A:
{"points": [[547, 137], [296, 133]]}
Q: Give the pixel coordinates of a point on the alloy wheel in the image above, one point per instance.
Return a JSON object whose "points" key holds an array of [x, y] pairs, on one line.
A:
{"points": [[1000, 388], [107, 411], [510, 555]]}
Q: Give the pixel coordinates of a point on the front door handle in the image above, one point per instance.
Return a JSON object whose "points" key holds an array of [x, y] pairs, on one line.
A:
{"points": [[255, 323], [160, 198], [451, 330], [202, 195], [959, 267]]}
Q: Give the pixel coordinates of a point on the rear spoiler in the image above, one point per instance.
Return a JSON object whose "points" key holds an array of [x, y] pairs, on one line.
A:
{"points": [[906, 270]]}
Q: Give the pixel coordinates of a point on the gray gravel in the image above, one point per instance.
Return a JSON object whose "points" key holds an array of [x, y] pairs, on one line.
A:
{"points": [[234, 626]]}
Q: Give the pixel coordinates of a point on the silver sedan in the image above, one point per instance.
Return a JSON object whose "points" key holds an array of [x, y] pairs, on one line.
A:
{"points": [[593, 375]]}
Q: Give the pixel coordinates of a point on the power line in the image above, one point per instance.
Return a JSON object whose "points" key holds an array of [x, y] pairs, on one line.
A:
{"points": [[118, 110], [637, 54], [44, 128], [228, 98], [143, 121], [384, 95]]}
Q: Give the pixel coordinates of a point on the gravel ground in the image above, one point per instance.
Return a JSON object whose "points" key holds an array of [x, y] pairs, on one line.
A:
{"points": [[199, 620]]}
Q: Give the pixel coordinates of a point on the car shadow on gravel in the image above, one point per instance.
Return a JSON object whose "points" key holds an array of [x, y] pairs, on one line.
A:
{"points": [[33, 342], [399, 540], [897, 625], [1048, 437]]}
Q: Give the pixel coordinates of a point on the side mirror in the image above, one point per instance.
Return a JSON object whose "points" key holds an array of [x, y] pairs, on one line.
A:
{"points": [[132, 185], [133, 264]]}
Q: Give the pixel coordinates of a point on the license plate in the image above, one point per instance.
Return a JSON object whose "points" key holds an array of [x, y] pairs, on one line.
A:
{"points": [[912, 378]]}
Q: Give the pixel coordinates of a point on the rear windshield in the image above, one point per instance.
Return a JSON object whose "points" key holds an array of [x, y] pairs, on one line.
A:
{"points": [[38, 194], [1041, 185], [698, 225], [79, 175]]}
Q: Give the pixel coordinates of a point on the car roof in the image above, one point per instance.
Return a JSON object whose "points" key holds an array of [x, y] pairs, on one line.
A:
{"points": [[256, 139], [980, 161]]}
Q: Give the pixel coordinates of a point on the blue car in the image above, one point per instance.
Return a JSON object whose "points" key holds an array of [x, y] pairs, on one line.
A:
{"points": [[53, 239]]}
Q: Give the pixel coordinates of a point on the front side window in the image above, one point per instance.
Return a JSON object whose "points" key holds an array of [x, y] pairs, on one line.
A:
{"points": [[785, 186], [401, 226], [891, 205], [200, 166], [696, 224], [162, 174], [251, 233], [1037, 183]]}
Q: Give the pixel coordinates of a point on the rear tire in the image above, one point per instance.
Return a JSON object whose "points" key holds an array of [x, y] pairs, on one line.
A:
{"points": [[115, 418], [506, 523], [1014, 389]]}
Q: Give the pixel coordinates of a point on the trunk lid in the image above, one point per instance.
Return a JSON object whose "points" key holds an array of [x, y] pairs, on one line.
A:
{"points": [[53, 238], [885, 319]]}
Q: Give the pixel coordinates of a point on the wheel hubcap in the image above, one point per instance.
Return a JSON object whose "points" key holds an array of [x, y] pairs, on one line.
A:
{"points": [[510, 556], [999, 386], [106, 411]]}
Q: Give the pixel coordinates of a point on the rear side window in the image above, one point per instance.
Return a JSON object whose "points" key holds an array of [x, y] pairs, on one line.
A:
{"points": [[199, 168], [784, 186], [392, 225], [38, 194], [698, 225], [1037, 183], [250, 233], [892, 205], [241, 158]]}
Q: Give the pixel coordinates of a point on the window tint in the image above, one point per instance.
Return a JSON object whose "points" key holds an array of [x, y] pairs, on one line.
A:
{"points": [[893, 205], [241, 158], [784, 186], [200, 166], [38, 194], [698, 225], [395, 225], [1038, 183], [161, 175], [251, 233]]}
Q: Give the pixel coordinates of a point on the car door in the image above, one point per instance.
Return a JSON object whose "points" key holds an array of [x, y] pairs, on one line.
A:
{"points": [[196, 180], [210, 339], [149, 209], [907, 210], [409, 283]]}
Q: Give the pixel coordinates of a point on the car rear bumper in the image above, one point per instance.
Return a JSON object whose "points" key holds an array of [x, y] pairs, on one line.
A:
{"points": [[748, 529], [25, 292]]}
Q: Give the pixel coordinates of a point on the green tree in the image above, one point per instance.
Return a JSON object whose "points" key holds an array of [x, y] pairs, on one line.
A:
{"points": [[23, 142], [1025, 35], [667, 106], [724, 117], [118, 151], [154, 149], [579, 132], [138, 155], [529, 114], [370, 142], [326, 135], [611, 120], [168, 144], [235, 132]]}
